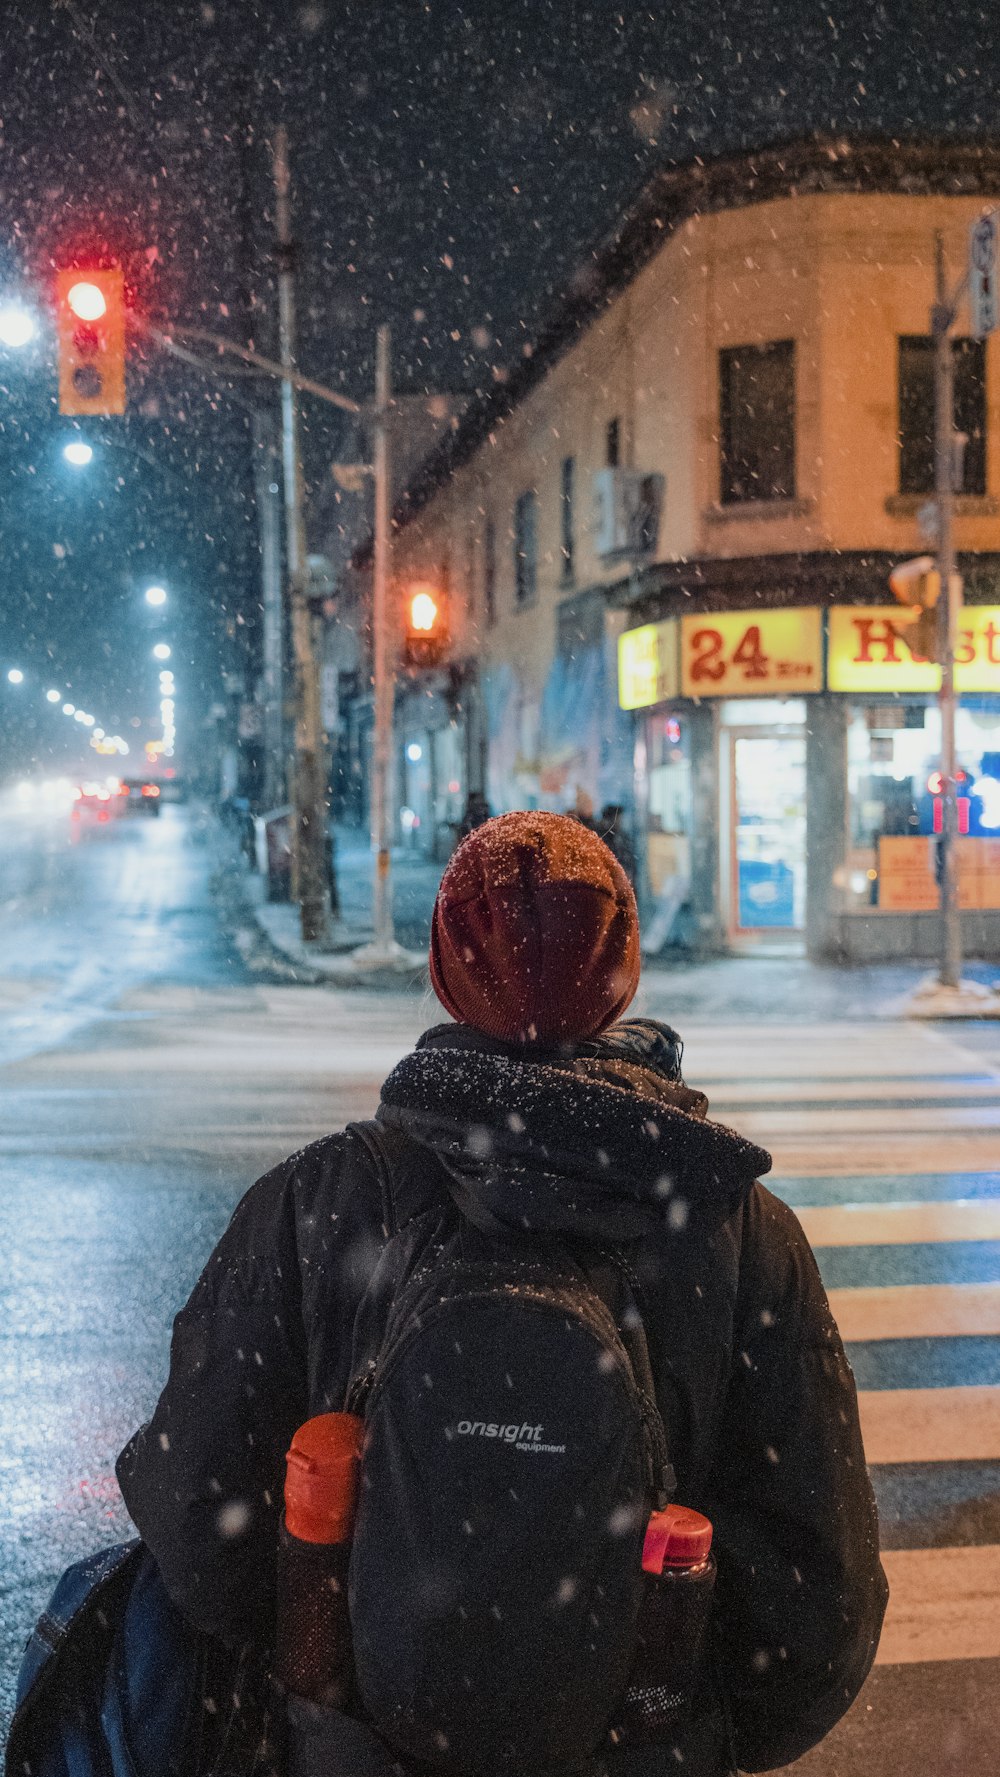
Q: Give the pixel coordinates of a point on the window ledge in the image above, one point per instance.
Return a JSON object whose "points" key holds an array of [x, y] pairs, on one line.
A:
{"points": [[756, 511], [966, 505]]}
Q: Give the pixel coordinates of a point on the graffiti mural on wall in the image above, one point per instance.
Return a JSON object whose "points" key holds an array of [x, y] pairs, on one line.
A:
{"points": [[568, 746]]}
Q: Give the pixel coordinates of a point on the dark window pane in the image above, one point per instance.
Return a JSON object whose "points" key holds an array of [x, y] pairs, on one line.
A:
{"points": [[757, 400], [613, 444], [916, 413], [567, 517], [970, 410], [526, 548]]}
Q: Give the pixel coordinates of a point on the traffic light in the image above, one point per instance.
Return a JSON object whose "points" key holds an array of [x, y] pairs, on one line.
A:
{"points": [[426, 625], [917, 584], [90, 326]]}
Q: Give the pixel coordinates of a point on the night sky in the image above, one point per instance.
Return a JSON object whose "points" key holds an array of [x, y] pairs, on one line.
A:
{"points": [[451, 163]]}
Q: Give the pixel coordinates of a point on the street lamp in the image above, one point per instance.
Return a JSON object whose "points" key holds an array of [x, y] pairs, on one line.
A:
{"points": [[78, 453], [156, 595], [53, 696], [17, 327], [161, 651], [69, 709], [15, 676]]}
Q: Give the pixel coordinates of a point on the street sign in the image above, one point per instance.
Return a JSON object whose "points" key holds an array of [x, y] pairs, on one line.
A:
{"points": [[984, 272], [929, 522]]}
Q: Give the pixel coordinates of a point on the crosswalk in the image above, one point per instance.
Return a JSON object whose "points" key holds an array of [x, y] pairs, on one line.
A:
{"points": [[886, 1142]]}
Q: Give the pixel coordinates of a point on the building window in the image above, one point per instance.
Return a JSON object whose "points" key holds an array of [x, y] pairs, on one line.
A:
{"points": [[613, 444], [490, 572], [567, 522], [916, 413], [526, 548], [757, 422]]}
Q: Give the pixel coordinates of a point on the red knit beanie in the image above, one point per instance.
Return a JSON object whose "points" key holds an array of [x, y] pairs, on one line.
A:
{"points": [[535, 935]]}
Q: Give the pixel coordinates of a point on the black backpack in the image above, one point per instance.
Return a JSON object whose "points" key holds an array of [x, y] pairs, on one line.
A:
{"points": [[513, 1453]]}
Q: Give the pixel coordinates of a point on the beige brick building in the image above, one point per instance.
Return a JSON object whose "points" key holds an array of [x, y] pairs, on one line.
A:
{"points": [[731, 414]]}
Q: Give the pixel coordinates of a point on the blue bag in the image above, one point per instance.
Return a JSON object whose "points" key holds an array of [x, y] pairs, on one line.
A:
{"points": [[116, 1683]]}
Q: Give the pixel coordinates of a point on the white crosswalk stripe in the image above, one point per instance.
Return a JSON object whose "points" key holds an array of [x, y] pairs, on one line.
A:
{"points": [[942, 1599], [931, 1424], [918, 1311], [843, 1112], [882, 1224]]}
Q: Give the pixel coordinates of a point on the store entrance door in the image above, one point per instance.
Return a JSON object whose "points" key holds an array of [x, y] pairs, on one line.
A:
{"points": [[767, 848]]}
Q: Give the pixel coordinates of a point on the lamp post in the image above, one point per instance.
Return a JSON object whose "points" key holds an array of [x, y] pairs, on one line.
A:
{"points": [[310, 842], [384, 686]]}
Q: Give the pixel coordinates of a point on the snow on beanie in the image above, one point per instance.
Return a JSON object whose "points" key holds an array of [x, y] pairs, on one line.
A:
{"points": [[535, 935]]}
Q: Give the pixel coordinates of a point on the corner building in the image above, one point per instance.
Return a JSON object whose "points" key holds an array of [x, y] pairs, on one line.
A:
{"points": [[665, 541]]}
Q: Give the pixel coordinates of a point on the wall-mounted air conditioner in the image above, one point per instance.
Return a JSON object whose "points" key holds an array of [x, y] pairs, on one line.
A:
{"points": [[627, 506]]}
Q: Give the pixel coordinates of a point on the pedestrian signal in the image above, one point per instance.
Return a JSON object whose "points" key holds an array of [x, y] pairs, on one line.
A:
{"points": [[90, 328]]}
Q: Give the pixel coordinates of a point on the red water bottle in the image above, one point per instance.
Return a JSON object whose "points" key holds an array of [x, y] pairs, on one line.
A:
{"points": [[314, 1548], [679, 1570]]}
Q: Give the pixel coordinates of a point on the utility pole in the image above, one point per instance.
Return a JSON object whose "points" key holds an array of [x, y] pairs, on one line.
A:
{"points": [[273, 640], [310, 820], [943, 314], [263, 459], [384, 687], [383, 952]]}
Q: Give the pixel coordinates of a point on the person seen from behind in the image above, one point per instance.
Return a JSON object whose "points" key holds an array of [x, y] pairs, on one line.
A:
{"points": [[540, 1150]]}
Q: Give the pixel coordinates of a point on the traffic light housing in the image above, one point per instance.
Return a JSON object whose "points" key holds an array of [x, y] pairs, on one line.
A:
{"points": [[426, 636], [917, 585], [90, 328]]}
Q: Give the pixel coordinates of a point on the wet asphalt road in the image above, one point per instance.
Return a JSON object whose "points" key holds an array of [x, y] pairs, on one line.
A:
{"points": [[148, 1073], [152, 1065]]}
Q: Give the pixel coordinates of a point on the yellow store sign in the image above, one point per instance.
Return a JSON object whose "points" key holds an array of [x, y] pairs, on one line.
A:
{"points": [[647, 665], [871, 650], [752, 653]]}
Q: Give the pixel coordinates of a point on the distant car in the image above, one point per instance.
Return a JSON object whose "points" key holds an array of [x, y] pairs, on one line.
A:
{"points": [[137, 795], [93, 799]]}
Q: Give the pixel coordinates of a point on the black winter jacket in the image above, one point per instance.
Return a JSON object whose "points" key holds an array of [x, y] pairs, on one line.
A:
{"points": [[752, 1380]]}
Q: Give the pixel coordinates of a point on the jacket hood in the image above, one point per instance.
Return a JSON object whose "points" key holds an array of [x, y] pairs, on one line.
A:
{"points": [[598, 1143]]}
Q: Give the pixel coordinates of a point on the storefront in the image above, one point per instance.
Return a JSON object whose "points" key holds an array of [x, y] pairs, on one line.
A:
{"points": [[786, 780]]}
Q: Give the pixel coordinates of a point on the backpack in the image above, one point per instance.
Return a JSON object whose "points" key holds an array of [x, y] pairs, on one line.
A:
{"points": [[115, 1683], [513, 1452]]}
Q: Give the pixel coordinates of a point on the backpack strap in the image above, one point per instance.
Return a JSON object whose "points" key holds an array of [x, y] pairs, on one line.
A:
{"points": [[632, 1329], [406, 1190]]}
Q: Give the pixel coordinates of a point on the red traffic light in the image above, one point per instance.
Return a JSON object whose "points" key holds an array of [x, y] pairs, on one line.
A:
{"points": [[87, 301], [90, 326]]}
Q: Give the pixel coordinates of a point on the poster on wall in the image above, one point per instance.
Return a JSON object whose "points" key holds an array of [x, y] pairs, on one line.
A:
{"points": [[907, 878], [752, 653]]}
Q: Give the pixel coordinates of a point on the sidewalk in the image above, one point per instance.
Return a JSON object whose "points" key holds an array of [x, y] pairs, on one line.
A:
{"points": [[771, 988], [414, 885]]}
